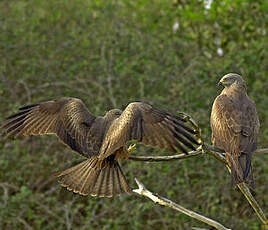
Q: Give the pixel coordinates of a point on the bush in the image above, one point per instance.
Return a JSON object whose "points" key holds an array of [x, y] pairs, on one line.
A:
{"points": [[109, 53]]}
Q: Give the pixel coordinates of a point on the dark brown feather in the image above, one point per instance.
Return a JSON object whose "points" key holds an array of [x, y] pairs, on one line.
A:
{"points": [[102, 178], [64, 117], [235, 127], [144, 123], [102, 139]]}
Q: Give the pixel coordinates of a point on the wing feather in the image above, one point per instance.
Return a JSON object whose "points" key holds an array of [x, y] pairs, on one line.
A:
{"points": [[68, 118], [226, 124], [235, 127], [146, 124]]}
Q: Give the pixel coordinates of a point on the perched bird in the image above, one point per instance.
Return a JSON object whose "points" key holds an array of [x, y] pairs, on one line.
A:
{"points": [[103, 140], [235, 126]]}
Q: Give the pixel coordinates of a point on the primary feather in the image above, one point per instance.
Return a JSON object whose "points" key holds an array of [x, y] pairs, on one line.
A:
{"points": [[101, 139]]}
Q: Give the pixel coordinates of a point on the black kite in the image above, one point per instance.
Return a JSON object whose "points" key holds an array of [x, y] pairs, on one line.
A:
{"points": [[101, 139], [235, 126]]}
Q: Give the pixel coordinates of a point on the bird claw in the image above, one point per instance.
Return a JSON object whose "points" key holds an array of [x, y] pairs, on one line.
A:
{"points": [[131, 148], [183, 115]]}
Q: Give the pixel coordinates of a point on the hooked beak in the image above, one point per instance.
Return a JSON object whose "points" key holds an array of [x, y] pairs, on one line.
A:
{"points": [[220, 83]]}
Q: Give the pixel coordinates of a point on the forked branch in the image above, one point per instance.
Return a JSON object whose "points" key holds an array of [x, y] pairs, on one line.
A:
{"points": [[208, 149], [245, 190], [219, 155], [165, 202]]}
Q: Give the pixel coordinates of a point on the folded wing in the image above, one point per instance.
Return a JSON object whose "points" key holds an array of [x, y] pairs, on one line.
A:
{"points": [[235, 130]]}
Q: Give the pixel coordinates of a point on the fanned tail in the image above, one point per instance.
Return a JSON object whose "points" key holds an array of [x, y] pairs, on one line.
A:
{"points": [[95, 177]]}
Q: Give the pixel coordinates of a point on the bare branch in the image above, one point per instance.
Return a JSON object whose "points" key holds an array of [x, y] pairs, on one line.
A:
{"points": [[166, 158], [165, 202], [242, 186], [49, 212], [220, 156], [27, 90], [254, 204], [195, 228], [261, 151], [26, 225], [9, 86], [209, 149], [246, 192], [5, 195]]}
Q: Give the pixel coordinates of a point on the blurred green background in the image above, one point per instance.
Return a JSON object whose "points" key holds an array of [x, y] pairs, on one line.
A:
{"points": [[109, 53]]}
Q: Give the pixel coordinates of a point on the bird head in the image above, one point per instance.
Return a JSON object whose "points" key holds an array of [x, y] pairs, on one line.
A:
{"points": [[231, 79], [114, 113]]}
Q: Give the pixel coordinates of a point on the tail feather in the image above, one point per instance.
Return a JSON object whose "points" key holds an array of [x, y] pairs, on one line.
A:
{"points": [[95, 177], [241, 170], [74, 174], [98, 184], [245, 162], [117, 186], [84, 170], [102, 188], [124, 184], [85, 183], [110, 178]]}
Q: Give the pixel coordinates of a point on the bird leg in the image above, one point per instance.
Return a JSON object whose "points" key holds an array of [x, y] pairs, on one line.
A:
{"points": [[123, 153], [131, 148], [128, 150]]}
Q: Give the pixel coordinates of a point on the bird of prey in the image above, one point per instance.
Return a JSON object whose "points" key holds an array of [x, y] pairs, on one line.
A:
{"points": [[235, 126], [103, 140]]}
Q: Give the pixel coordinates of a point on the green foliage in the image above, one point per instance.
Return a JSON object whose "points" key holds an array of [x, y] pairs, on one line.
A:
{"points": [[109, 53]]}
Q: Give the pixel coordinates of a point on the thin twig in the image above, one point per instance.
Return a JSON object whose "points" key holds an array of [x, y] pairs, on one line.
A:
{"points": [[26, 89], [220, 157], [110, 91], [165, 202], [195, 228], [216, 153], [5, 195], [261, 151], [246, 192], [166, 158], [9, 86], [209, 149], [26, 225], [68, 217], [254, 204], [244, 189], [49, 212]]}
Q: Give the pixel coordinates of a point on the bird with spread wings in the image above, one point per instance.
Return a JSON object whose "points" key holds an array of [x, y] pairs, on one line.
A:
{"points": [[235, 126], [103, 140]]}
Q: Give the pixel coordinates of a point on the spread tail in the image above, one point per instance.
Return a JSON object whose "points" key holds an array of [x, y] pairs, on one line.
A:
{"points": [[95, 177], [241, 170]]}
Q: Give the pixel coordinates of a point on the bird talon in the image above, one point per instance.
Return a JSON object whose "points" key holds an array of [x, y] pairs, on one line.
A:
{"points": [[131, 148]]}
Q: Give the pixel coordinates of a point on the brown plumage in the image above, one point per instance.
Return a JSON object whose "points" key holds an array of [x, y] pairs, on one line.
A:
{"points": [[101, 139], [235, 126]]}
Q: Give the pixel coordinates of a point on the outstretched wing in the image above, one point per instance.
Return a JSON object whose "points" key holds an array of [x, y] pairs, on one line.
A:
{"points": [[68, 118], [146, 124]]}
